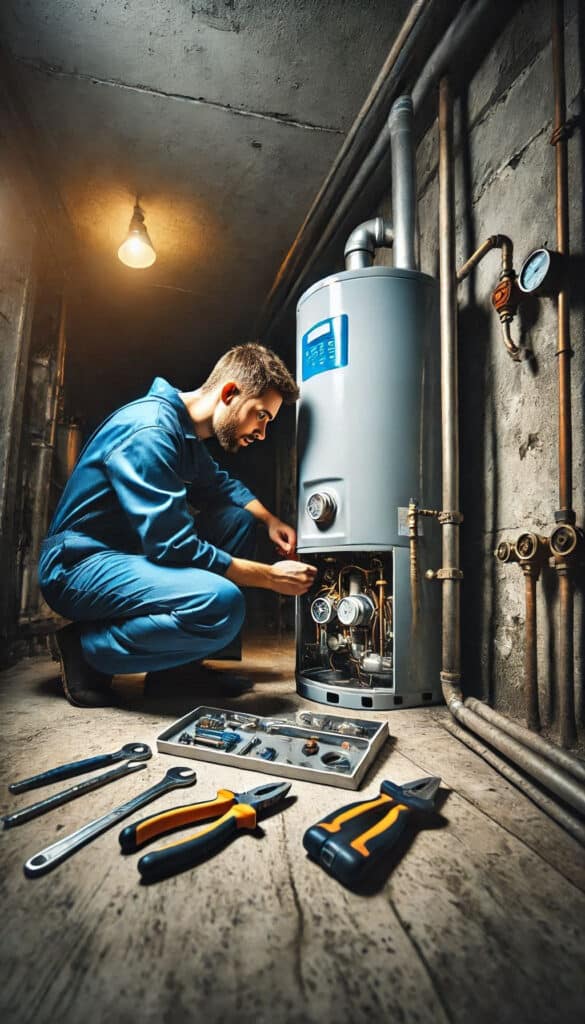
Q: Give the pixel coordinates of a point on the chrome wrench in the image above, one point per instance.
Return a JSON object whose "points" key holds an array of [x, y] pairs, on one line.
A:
{"points": [[129, 752], [52, 855], [63, 797]]}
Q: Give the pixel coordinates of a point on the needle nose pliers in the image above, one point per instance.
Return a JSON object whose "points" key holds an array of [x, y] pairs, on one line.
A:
{"points": [[234, 811]]}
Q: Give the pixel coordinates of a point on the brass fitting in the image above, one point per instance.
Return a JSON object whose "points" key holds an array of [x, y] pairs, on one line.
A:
{"points": [[566, 545], [529, 550]]}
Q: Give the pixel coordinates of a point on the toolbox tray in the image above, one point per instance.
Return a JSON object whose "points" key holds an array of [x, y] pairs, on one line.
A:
{"points": [[364, 748]]}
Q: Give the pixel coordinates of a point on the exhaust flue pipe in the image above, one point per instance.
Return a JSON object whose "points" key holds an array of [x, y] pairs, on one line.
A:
{"points": [[400, 123], [360, 248]]}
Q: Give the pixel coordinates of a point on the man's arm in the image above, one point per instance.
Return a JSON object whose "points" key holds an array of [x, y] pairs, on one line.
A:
{"points": [[292, 578], [280, 533]]}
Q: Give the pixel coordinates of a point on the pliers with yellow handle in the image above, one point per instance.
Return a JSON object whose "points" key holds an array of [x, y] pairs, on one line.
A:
{"points": [[234, 811], [353, 840]]}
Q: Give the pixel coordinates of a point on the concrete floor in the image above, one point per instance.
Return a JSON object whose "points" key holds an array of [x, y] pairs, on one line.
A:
{"points": [[482, 919]]}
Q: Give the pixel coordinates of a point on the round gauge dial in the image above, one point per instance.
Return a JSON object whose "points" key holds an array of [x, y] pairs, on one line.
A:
{"points": [[537, 271], [322, 610], [355, 610], [321, 508]]}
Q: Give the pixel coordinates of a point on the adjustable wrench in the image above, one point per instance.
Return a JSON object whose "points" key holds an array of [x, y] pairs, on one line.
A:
{"points": [[130, 751], [52, 855]]}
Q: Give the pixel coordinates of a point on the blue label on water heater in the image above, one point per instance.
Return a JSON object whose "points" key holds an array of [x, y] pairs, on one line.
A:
{"points": [[325, 346]]}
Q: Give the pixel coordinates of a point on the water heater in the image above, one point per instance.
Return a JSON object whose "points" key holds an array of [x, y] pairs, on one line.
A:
{"points": [[368, 633]]}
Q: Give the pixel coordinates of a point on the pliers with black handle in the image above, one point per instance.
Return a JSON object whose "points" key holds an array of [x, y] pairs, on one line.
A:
{"points": [[354, 840], [234, 811]]}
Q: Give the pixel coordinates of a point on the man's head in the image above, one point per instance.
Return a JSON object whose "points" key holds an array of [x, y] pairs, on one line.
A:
{"points": [[251, 383]]}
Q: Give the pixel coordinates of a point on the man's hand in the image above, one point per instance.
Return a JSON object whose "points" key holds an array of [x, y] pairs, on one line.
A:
{"points": [[292, 578], [283, 536]]}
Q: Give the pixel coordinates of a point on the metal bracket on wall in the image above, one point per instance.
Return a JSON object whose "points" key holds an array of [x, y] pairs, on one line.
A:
{"points": [[444, 574], [447, 517]]}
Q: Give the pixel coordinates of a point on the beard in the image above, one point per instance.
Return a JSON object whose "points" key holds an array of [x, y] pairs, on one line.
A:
{"points": [[225, 427]]}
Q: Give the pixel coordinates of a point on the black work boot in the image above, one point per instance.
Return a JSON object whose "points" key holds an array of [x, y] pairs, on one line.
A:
{"points": [[83, 685]]}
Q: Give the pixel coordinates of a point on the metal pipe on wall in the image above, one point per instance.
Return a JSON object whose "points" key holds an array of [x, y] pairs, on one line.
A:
{"points": [[400, 123], [530, 649], [43, 447], [564, 818], [345, 185], [530, 739], [516, 748], [317, 227], [565, 513], [451, 587]]}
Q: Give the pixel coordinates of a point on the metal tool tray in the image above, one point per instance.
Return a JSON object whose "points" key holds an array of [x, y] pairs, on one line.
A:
{"points": [[289, 762]]}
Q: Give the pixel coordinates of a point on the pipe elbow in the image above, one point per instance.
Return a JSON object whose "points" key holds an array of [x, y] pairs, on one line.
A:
{"points": [[361, 245]]}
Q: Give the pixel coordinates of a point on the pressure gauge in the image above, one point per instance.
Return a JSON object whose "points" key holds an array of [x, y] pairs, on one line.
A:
{"points": [[355, 610], [321, 508], [322, 610], [540, 272]]}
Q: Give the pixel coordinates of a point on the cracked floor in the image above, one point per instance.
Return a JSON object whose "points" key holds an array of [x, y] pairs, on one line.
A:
{"points": [[481, 919]]}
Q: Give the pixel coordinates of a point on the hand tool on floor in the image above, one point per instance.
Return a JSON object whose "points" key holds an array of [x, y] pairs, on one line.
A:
{"points": [[129, 752], [63, 797], [353, 840], [235, 811], [57, 852]]}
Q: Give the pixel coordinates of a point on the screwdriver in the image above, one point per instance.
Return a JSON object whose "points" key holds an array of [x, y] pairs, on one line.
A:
{"points": [[353, 841]]}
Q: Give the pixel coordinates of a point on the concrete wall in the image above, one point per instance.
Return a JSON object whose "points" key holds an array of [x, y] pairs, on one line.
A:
{"points": [[508, 411], [17, 287]]}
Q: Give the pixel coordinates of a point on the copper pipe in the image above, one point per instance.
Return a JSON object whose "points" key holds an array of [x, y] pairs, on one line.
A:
{"points": [[565, 513], [559, 141], [509, 342], [381, 585], [451, 588], [531, 574], [565, 658], [493, 242]]}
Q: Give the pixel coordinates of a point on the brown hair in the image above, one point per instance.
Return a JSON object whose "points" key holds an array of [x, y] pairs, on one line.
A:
{"points": [[256, 369]]}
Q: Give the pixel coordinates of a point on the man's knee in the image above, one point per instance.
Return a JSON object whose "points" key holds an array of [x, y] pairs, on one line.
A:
{"points": [[231, 600], [222, 609]]}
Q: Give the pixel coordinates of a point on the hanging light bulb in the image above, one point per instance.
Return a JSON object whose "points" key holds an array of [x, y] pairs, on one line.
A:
{"points": [[137, 250]]}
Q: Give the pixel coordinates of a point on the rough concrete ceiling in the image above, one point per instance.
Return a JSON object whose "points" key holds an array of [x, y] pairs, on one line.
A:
{"points": [[224, 117]]}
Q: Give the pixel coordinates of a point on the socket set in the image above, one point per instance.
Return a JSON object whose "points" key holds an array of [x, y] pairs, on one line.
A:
{"points": [[329, 749]]}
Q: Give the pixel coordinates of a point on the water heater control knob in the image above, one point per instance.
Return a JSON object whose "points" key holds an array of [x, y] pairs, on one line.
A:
{"points": [[355, 610], [321, 508]]}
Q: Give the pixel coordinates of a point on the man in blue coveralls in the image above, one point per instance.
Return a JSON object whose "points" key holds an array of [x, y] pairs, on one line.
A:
{"points": [[151, 540]]}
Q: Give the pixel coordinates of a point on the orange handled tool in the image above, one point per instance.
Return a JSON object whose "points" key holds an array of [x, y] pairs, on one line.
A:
{"points": [[351, 841], [234, 811]]}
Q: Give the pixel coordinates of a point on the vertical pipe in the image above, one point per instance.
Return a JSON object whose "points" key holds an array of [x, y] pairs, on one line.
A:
{"points": [[451, 642], [530, 652], [565, 513], [567, 729], [562, 226], [42, 458], [400, 123]]}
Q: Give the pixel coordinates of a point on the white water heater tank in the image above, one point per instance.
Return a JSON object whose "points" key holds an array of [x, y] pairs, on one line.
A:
{"points": [[368, 424]]}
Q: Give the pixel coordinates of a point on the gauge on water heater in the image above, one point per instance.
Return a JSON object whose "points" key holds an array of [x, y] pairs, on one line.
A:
{"points": [[321, 508], [355, 610], [322, 610]]}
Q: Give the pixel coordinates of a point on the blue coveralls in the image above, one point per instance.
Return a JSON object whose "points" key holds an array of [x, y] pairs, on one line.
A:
{"points": [[124, 555]]}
